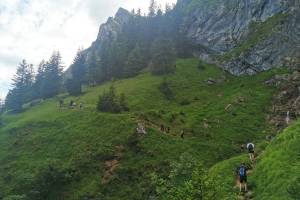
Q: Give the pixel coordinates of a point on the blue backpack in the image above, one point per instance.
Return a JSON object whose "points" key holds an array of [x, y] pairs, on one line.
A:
{"points": [[242, 171]]}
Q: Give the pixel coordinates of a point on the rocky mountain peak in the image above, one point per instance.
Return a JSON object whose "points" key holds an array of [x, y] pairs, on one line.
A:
{"points": [[109, 30]]}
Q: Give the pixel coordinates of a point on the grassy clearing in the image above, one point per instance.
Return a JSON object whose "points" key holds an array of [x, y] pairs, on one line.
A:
{"points": [[69, 148]]}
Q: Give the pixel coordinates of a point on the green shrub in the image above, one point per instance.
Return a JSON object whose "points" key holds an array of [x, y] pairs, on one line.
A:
{"points": [[201, 65], [110, 102], [184, 102], [165, 89], [187, 180]]}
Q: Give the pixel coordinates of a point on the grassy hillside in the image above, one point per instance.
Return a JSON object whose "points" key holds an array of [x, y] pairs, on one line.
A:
{"points": [[52, 153], [277, 175]]}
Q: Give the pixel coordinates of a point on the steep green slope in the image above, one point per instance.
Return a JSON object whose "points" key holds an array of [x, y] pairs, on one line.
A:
{"points": [[277, 175], [48, 153]]}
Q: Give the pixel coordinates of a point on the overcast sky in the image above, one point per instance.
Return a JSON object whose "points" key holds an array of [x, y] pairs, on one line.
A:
{"points": [[32, 29]]}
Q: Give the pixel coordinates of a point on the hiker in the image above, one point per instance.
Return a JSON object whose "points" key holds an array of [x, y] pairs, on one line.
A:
{"points": [[250, 147], [242, 147], [140, 129], [182, 134], [61, 103], [81, 106], [242, 173], [71, 104], [162, 128], [168, 130], [287, 118]]}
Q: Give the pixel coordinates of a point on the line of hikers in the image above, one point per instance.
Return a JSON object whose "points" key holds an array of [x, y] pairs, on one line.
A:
{"points": [[72, 104], [140, 129], [242, 169], [167, 130]]}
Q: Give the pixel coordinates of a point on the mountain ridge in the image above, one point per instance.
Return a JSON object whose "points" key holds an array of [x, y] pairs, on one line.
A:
{"points": [[222, 27]]}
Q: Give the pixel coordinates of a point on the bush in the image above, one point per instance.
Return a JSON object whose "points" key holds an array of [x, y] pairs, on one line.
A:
{"points": [[123, 103], [294, 189], [110, 102], [201, 65], [48, 180], [184, 102], [166, 90], [188, 179]]}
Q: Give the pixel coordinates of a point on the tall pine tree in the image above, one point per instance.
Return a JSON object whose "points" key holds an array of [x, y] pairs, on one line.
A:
{"points": [[53, 76], [40, 80], [135, 62], [22, 87], [163, 57], [78, 69], [152, 8], [93, 65]]}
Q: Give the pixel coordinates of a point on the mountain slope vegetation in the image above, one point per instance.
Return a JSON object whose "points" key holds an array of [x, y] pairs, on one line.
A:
{"points": [[60, 153], [194, 116]]}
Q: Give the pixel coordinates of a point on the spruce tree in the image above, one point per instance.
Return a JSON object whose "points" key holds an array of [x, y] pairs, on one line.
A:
{"points": [[135, 62], [22, 87], [1, 106], [163, 57], [152, 8], [78, 69], [39, 80], [93, 65], [53, 76]]}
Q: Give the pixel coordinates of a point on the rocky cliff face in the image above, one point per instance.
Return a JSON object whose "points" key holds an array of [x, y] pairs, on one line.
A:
{"points": [[241, 36], [110, 30], [245, 36]]}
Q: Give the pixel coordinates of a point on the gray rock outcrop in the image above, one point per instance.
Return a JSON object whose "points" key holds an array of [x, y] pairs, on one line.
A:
{"points": [[227, 28]]}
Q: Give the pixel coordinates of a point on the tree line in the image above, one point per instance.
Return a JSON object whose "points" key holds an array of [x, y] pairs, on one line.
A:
{"points": [[28, 85], [146, 41]]}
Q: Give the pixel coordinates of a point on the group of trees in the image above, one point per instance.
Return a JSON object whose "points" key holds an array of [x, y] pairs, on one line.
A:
{"points": [[111, 102], [153, 40], [27, 85]]}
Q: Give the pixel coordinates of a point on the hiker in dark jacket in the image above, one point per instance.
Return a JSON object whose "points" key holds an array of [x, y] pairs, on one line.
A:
{"points": [[242, 173], [182, 134], [61, 103], [162, 128], [250, 147], [168, 129]]}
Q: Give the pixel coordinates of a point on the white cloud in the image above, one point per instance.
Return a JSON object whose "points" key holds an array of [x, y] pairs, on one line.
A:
{"points": [[32, 29]]}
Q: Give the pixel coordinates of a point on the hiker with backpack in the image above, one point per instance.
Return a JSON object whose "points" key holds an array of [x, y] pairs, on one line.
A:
{"points": [[61, 103], [182, 134], [250, 147], [242, 173], [162, 128]]}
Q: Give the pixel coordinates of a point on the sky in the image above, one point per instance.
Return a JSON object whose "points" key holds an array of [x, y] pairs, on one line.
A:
{"points": [[33, 29]]}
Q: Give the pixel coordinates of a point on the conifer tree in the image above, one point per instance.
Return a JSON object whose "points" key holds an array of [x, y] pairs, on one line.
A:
{"points": [[135, 62], [40, 80], [93, 65], [163, 57], [152, 8], [53, 76], [2, 104], [78, 69], [22, 87]]}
